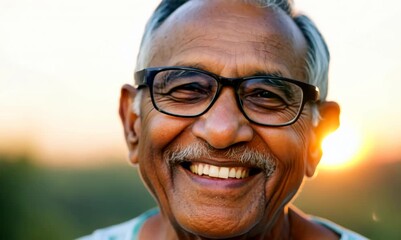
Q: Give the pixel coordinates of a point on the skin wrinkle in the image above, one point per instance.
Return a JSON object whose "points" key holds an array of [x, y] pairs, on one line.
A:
{"points": [[280, 46], [302, 127], [279, 189], [272, 203], [276, 204], [263, 42]]}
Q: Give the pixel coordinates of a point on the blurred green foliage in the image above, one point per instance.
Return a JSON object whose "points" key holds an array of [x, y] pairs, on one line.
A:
{"points": [[42, 203], [46, 203]]}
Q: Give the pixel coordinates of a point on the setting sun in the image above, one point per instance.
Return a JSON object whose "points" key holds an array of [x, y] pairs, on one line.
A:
{"points": [[343, 147]]}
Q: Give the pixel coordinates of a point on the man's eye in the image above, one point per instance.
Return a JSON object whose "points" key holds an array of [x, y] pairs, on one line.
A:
{"points": [[264, 99], [191, 87], [188, 92], [266, 94]]}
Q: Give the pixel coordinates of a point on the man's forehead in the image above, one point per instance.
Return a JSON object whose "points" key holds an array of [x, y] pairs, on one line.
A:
{"points": [[243, 27]]}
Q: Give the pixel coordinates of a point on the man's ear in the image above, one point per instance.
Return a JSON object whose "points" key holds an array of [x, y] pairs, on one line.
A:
{"points": [[329, 122], [130, 120]]}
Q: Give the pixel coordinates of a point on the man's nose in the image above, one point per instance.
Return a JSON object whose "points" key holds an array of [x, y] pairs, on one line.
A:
{"points": [[224, 124]]}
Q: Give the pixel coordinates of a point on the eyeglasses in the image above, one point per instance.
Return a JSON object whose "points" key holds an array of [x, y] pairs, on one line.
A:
{"points": [[190, 92]]}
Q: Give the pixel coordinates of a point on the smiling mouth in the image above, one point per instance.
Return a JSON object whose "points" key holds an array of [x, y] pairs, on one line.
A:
{"points": [[208, 170]]}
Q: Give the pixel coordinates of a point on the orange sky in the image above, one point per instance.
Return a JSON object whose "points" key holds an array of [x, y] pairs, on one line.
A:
{"points": [[62, 64]]}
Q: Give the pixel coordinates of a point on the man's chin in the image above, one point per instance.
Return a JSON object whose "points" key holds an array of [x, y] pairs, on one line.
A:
{"points": [[213, 222]]}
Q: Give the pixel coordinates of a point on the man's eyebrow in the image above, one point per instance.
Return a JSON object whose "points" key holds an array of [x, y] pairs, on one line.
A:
{"points": [[193, 65], [284, 86], [266, 73]]}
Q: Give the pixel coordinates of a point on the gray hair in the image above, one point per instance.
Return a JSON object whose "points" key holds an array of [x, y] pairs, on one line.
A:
{"points": [[317, 59]]}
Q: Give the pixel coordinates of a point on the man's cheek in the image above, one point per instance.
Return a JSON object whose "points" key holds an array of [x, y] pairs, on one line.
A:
{"points": [[163, 129], [284, 143]]}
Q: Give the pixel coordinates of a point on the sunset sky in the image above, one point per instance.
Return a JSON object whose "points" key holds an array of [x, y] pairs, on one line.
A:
{"points": [[62, 64]]}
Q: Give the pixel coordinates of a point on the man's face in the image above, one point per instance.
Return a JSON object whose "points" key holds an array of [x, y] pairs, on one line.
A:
{"points": [[232, 40]]}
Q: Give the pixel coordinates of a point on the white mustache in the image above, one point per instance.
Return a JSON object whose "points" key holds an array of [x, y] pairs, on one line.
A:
{"points": [[244, 155]]}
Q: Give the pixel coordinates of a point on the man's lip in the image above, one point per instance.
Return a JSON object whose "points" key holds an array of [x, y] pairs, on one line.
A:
{"points": [[221, 169], [218, 184], [215, 171], [207, 170], [221, 162]]}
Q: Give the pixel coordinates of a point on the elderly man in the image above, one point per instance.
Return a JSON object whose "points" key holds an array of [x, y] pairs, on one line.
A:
{"points": [[225, 121]]}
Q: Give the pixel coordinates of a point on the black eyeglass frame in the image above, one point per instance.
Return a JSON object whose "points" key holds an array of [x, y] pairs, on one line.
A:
{"points": [[146, 76]]}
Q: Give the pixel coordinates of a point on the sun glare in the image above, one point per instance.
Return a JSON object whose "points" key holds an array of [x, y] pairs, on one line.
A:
{"points": [[342, 148]]}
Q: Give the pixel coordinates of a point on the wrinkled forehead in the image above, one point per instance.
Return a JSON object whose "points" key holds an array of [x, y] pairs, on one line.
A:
{"points": [[228, 28]]}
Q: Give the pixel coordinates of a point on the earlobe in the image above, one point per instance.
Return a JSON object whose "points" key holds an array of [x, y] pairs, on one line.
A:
{"points": [[328, 123], [130, 121], [314, 155]]}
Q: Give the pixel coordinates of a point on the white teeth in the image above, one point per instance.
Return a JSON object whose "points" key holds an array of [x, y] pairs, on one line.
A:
{"points": [[200, 169], [219, 172], [238, 173], [245, 173], [213, 171], [223, 173], [206, 169], [231, 174]]}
